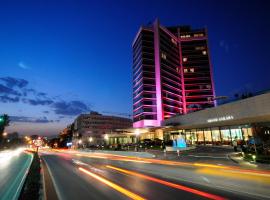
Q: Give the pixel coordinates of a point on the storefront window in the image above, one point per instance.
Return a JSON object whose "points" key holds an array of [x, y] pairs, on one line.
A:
{"points": [[247, 132], [236, 133], [188, 136], [192, 137], [199, 136], [208, 137], [226, 137], [216, 136]]}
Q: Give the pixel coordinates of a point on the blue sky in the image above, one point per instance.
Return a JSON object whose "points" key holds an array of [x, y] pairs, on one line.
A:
{"points": [[78, 53]]}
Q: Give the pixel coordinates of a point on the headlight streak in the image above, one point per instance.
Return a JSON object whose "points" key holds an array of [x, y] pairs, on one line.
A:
{"points": [[6, 156], [173, 185], [112, 185], [173, 163]]}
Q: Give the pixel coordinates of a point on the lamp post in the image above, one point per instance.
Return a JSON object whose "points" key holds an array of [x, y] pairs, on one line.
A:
{"points": [[137, 133]]}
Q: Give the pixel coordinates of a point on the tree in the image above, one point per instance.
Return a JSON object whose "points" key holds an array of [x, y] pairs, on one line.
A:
{"points": [[4, 121]]}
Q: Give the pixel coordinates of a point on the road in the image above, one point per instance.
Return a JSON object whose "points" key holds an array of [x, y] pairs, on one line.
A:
{"points": [[100, 176], [13, 170]]}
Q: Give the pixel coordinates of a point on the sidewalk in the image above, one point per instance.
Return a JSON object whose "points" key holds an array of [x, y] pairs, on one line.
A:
{"points": [[237, 158]]}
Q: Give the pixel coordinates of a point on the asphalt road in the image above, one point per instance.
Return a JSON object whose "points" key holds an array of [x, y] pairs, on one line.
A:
{"points": [[97, 176], [13, 170]]}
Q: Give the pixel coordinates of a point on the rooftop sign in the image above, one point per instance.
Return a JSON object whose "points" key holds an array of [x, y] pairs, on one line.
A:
{"points": [[218, 119]]}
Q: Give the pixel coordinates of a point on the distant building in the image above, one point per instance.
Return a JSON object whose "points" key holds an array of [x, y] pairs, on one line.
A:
{"points": [[65, 136], [172, 73], [90, 129]]}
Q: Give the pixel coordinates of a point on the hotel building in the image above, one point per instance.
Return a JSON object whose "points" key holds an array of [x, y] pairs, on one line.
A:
{"points": [[172, 73]]}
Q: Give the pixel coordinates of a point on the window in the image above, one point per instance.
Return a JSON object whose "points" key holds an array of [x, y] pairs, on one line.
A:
{"points": [[198, 35], [199, 48], [208, 86], [185, 36], [185, 59], [185, 70], [191, 70], [204, 52], [163, 55]]}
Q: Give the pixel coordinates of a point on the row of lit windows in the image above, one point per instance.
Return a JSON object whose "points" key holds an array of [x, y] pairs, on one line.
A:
{"points": [[185, 59], [194, 35], [191, 70]]}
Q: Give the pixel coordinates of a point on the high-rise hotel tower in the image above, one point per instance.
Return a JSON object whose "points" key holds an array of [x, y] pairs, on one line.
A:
{"points": [[172, 73]]}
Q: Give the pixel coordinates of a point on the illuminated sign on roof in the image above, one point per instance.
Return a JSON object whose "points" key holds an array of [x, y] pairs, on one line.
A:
{"points": [[218, 119]]}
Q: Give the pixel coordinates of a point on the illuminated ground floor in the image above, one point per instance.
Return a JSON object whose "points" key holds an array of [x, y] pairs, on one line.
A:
{"points": [[211, 136]]}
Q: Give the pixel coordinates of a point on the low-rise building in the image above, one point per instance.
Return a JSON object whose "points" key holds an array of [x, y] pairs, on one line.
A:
{"points": [[239, 120], [221, 125], [90, 129]]}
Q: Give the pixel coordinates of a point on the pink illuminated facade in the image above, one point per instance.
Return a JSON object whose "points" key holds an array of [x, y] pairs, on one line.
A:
{"points": [[172, 73]]}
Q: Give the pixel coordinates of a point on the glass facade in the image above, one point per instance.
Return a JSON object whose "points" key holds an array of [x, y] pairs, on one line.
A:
{"points": [[213, 136]]}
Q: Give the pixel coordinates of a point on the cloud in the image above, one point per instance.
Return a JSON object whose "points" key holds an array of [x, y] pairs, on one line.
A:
{"points": [[23, 65], [71, 108], [8, 91], [14, 82], [37, 102], [29, 119], [46, 111], [13, 90], [7, 99], [42, 94]]}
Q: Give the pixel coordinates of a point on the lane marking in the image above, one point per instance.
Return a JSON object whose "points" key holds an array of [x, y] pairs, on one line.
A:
{"points": [[205, 179], [173, 185], [58, 193], [113, 185]]}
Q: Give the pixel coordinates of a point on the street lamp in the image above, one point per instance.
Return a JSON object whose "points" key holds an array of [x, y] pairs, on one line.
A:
{"points": [[90, 139], [5, 134], [137, 133]]}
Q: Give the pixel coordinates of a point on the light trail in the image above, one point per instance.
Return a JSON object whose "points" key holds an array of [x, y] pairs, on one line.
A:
{"points": [[113, 185], [234, 169], [247, 176], [173, 185]]}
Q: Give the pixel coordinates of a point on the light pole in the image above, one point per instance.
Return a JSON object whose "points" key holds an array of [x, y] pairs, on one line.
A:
{"points": [[137, 133]]}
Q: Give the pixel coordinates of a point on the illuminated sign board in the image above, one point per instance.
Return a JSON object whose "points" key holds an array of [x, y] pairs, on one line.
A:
{"points": [[219, 119]]}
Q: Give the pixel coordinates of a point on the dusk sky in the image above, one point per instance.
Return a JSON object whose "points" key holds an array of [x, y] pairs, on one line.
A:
{"points": [[62, 58]]}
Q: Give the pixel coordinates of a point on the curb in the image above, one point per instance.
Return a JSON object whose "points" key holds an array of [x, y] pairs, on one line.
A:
{"points": [[233, 160]]}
